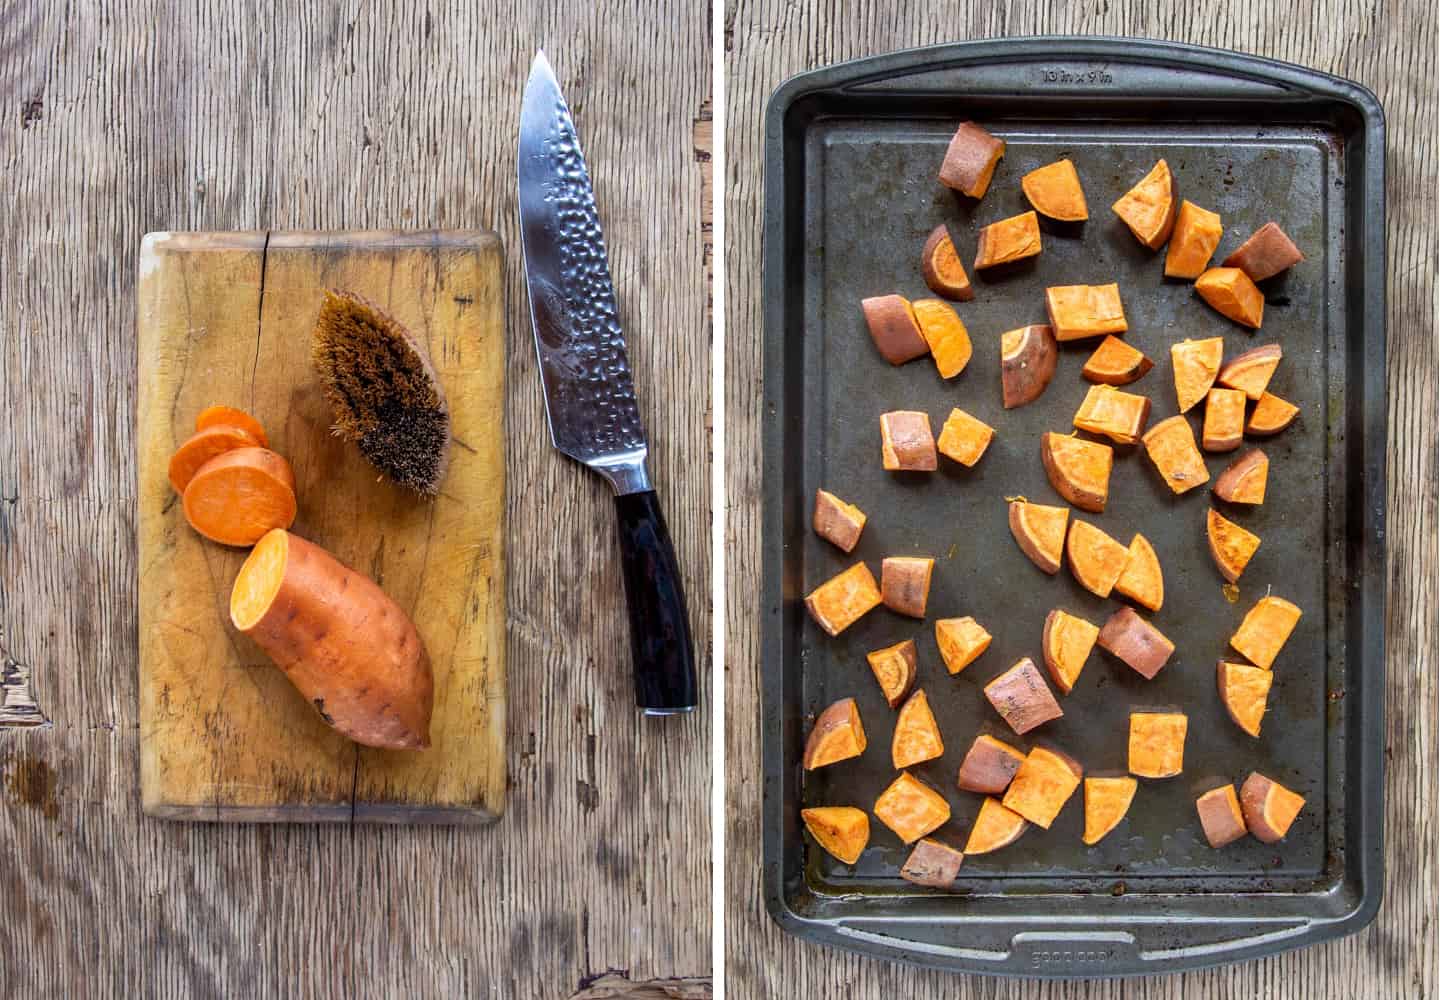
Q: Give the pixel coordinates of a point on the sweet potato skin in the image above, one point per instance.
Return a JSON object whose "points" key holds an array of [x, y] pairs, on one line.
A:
{"points": [[1136, 642], [1022, 697], [1265, 254], [836, 521], [1043, 552], [906, 443], [894, 668], [988, 766], [1251, 371], [1243, 480], [1078, 469], [905, 583], [970, 160], [893, 327], [1220, 816], [933, 864], [942, 269], [1027, 364], [1269, 807], [1116, 363], [838, 734]]}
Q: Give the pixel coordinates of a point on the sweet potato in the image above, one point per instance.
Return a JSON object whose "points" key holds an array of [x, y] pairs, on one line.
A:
{"points": [[836, 521], [1251, 371], [843, 831], [1197, 234], [1135, 642], [1055, 192], [1113, 413], [1244, 691], [1078, 469], [1116, 363], [239, 495], [1231, 293], [988, 766], [1220, 816], [229, 416], [948, 339], [905, 583], [1022, 697], [1243, 480], [961, 641], [1042, 786], [1224, 425], [1265, 254], [906, 444], [894, 328], [970, 160], [1269, 807], [1141, 579], [995, 827], [1096, 560], [1157, 743], [843, 599], [894, 669], [1171, 447], [1231, 546], [1196, 363], [1027, 364], [201, 447], [1008, 241], [1067, 642], [1107, 800], [1265, 630], [917, 737], [932, 863], [838, 734], [1149, 207], [1040, 532], [942, 269], [911, 808], [1271, 416], [350, 650], [964, 438], [1081, 311]]}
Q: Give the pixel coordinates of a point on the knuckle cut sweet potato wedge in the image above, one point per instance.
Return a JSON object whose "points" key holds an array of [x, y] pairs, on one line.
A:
{"points": [[942, 269], [964, 438], [1135, 642], [1027, 363], [894, 328], [1067, 642], [1040, 532], [961, 641], [838, 734], [1121, 416], [843, 599], [1271, 415], [1192, 244], [1220, 816], [917, 736], [1244, 691], [1080, 311], [836, 521], [1007, 241], [1022, 697], [932, 863], [911, 808], [970, 160], [948, 339], [240, 495], [1224, 425], [906, 444], [894, 668], [1231, 546], [905, 583], [1078, 469], [1171, 447], [1149, 207], [1231, 293], [1265, 630], [988, 766], [1251, 371], [1141, 580], [1095, 559], [201, 447], [230, 416], [1243, 480], [1196, 364], [1046, 780], [1116, 363], [995, 827], [1269, 807], [1157, 743], [1265, 254], [843, 831], [1054, 191], [1107, 800]]}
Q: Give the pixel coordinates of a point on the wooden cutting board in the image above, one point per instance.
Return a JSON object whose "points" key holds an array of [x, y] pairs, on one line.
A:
{"points": [[226, 318]]}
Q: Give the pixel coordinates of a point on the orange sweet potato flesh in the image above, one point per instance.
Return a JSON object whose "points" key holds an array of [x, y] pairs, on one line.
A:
{"points": [[1027, 363], [1149, 207], [840, 601], [229, 416], [1271, 416], [911, 808], [1224, 425], [843, 831], [964, 438], [961, 641], [1244, 691], [1171, 447], [836, 521], [1040, 532], [1196, 364], [1243, 480], [1008, 241], [201, 447], [1096, 560], [1135, 642], [917, 736], [1157, 744], [1116, 363], [350, 650], [1265, 254], [1231, 293], [1114, 413], [1078, 469], [942, 269], [1067, 641], [1022, 697], [1055, 192], [995, 827], [1107, 800], [1251, 371], [239, 496], [1231, 546], [970, 160], [988, 766], [1269, 807], [894, 669], [946, 334], [933, 864], [1043, 785], [906, 444], [1220, 816], [894, 328], [1192, 244], [838, 735], [905, 584], [1141, 580], [1081, 311], [1265, 630]]}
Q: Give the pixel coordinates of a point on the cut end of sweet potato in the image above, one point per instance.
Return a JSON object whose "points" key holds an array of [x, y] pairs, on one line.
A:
{"points": [[1078, 469], [1244, 691], [1067, 642], [1265, 254], [917, 735], [988, 766], [1251, 372], [1027, 363], [948, 339], [1243, 480], [201, 447], [1022, 697], [1116, 363], [1231, 546], [1149, 208], [1220, 816], [259, 580], [1081, 311], [906, 444], [995, 827], [843, 831], [1271, 416], [961, 641], [1107, 800], [1224, 426], [942, 269], [932, 864], [1192, 244], [905, 584], [1121, 416], [1096, 560], [843, 599], [964, 438], [894, 668], [1265, 630], [239, 495], [1135, 642], [1042, 786], [1171, 447], [894, 328], [1055, 192], [837, 735], [1007, 241], [970, 160], [1142, 580], [911, 808], [1231, 293], [1040, 532], [230, 416], [836, 521], [1269, 807], [1157, 744], [1196, 364]]}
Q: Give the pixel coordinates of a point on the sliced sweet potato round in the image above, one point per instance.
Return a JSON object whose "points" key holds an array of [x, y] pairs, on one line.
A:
{"points": [[1269, 807], [838, 735], [1196, 364], [201, 447], [1136, 642], [1243, 480], [1251, 372], [843, 599], [911, 808], [1157, 743], [230, 416], [1149, 207], [1095, 559], [1107, 800], [836, 521], [1116, 363], [1080, 311], [942, 269], [1192, 244], [995, 827], [1265, 630], [1046, 780], [1231, 293], [961, 641], [917, 736], [1022, 697], [1027, 364], [1067, 642], [1271, 416], [1040, 532], [894, 669], [1265, 254], [1220, 816], [843, 831], [1244, 691], [1008, 241], [241, 495], [1054, 191], [1231, 546], [932, 863], [1118, 415], [1141, 580], [988, 766], [1078, 469], [945, 333], [1171, 447]]}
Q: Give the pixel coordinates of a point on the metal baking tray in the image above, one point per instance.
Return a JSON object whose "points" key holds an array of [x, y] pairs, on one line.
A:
{"points": [[851, 193]]}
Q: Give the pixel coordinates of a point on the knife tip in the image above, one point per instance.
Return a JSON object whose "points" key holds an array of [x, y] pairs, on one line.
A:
{"points": [[541, 64]]}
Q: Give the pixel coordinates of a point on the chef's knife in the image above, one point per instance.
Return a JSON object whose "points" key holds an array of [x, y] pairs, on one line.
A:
{"points": [[589, 395]]}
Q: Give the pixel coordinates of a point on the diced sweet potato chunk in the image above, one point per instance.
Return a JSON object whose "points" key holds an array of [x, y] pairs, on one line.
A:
{"points": [[838, 522], [911, 808], [1197, 234], [1196, 363], [906, 444], [1231, 546], [1116, 363], [917, 736], [1243, 480], [942, 269], [961, 641], [1107, 800], [1157, 744], [1114, 413], [1055, 192], [1224, 426], [840, 601], [1220, 816], [1080, 311], [1078, 469], [843, 831], [1271, 416], [1244, 691], [1042, 786], [894, 328], [1171, 447], [1040, 532], [837, 735], [1022, 697], [988, 766], [970, 160], [905, 583], [1265, 630], [948, 339], [1265, 254], [1095, 559], [1251, 372], [1008, 241], [1141, 579], [1149, 207], [933, 864], [1137, 643], [1269, 807], [894, 668], [1231, 293], [1067, 642], [1027, 363], [995, 827], [964, 438]]}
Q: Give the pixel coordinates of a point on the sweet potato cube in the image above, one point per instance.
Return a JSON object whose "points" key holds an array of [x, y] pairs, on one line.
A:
{"points": [[894, 328], [970, 160], [1114, 413], [917, 736], [1251, 372], [1008, 240], [964, 438], [1141, 579], [933, 864], [906, 444], [1027, 363], [1197, 234], [1220, 816], [1265, 254], [1096, 560], [1081, 311], [1157, 744], [1135, 642], [894, 668], [1054, 191], [995, 827], [948, 339], [1269, 807], [843, 831], [1116, 363], [1231, 546], [837, 735], [838, 522], [1231, 293], [1107, 800], [905, 583], [988, 766], [1224, 426], [1271, 416], [1040, 532], [840, 601], [942, 269], [1265, 630], [1078, 469], [1022, 697], [1243, 480], [1067, 642], [1042, 786], [911, 808], [1171, 447], [1149, 207], [1196, 363], [1244, 691], [961, 641]]}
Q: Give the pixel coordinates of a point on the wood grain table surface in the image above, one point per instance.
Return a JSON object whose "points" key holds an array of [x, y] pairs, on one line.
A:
{"points": [[122, 118], [1390, 48]]}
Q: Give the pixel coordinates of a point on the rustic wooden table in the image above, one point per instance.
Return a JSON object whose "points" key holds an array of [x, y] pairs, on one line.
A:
{"points": [[119, 119], [1391, 49]]}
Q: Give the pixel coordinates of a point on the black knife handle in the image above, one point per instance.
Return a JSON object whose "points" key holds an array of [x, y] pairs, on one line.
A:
{"points": [[660, 644]]}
